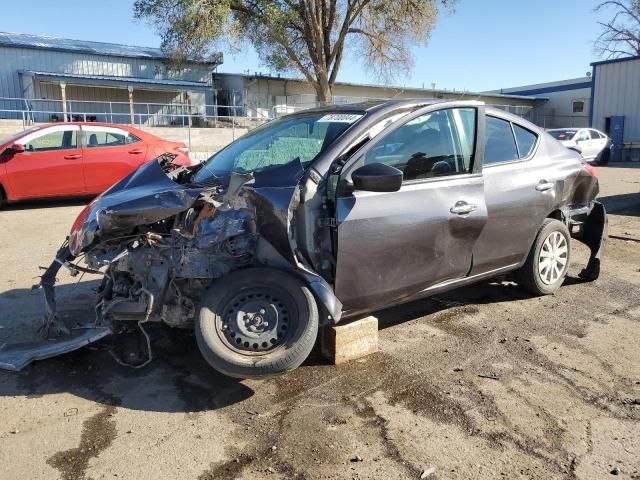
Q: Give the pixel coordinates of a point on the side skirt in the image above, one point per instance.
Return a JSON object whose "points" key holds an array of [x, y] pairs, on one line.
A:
{"points": [[439, 288]]}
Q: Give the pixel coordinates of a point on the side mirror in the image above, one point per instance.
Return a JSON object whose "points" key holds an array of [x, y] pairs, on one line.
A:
{"points": [[377, 177], [17, 148]]}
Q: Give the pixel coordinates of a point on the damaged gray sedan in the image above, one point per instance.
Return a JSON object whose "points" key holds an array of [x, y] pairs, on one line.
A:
{"points": [[323, 215]]}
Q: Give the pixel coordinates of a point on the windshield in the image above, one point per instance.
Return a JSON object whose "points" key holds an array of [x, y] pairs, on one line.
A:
{"points": [[562, 134], [299, 138], [19, 134]]}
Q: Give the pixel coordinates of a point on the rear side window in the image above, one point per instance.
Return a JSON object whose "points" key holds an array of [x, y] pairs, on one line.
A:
{"points": [[525, 140], [507, 141], [108, 137], [595, 135], [500, 145]]}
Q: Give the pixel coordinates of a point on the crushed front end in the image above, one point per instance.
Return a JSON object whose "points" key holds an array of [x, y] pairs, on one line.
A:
{"points": [[158, 243]]}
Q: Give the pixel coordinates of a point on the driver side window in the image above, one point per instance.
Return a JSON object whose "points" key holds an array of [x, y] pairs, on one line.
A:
{"points": [[56, 140], [435, 144]]}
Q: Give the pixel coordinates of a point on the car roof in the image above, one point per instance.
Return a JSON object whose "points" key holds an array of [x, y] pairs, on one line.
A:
{"points": [[96, 124], [81, 124], [143, 135], [139, 133], [377, 106], [372, 106]]}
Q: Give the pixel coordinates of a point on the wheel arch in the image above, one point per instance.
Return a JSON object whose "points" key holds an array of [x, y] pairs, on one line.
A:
{"points": [[269, 257], [556, 214]]}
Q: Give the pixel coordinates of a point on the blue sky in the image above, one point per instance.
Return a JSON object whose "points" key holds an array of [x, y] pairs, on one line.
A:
{"points": [[485, 44]]}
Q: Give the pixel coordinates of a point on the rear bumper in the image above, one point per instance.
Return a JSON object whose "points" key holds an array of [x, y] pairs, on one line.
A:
{"points": [[593, 233]]}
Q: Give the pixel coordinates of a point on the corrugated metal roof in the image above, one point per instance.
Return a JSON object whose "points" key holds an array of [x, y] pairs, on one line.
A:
{"points": [[105, 79], [616, 60], [462, 94], [48, 42]]}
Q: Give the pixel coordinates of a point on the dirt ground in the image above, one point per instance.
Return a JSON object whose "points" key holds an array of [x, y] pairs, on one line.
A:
{"points": [[484, 382]]}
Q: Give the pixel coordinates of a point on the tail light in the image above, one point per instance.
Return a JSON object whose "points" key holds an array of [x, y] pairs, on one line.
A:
{"points": [[589, 168], [183, 158]]}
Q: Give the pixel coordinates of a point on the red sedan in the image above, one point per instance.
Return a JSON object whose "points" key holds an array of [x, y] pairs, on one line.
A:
{"points": [[76, 159]]}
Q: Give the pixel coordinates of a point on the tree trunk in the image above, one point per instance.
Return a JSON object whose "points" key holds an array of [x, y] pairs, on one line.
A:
{"points": [[323, 91]]}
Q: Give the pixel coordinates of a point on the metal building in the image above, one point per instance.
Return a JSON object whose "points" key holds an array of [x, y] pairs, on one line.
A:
{"points": [[266, 96], [53, 77], [616, 104], [568, 101]]}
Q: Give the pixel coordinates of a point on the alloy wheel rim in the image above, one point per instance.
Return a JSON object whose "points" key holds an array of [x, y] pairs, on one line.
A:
{"points": [[552, 260]]}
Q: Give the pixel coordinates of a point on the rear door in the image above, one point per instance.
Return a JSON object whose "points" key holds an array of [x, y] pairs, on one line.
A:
{"points": [[391, 245], [518, 190], [110, 154], [598, 140], [51, 164]]}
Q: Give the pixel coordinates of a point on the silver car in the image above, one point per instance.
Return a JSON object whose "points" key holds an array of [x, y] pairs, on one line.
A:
{"points": [[592, 144]]}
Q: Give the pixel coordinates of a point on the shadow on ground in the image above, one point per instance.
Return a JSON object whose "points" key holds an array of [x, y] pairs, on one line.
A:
{"points": [[178, 379], [47, 203], [624, 204]]}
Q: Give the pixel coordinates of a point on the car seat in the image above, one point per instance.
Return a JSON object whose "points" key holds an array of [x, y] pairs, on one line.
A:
{"points": [[93, 140]]}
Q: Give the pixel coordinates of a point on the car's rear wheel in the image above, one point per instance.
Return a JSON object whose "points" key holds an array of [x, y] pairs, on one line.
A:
{"points": [[257, 322], [548, 261], [604, 157]]}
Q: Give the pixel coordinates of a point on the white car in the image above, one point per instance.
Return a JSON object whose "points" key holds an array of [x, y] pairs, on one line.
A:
{"points": [[594, 145]]}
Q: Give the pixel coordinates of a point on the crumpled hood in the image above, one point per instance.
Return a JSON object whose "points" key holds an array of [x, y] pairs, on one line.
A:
{"points": [[143, 197], [148, 195]]}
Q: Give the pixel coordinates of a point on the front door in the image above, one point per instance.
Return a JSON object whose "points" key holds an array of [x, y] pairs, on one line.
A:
{"points": [[392, 245], [583, 140], [51, 164], [110, 154]]}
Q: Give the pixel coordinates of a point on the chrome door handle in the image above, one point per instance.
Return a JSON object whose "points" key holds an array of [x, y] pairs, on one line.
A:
{"points": [[462, 208], [72, 157], [543, 186]]}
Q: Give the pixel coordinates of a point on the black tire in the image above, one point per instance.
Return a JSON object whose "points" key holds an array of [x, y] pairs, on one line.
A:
{"points": [[236, 319], [529, 276], [605, 156], [3, 197]]}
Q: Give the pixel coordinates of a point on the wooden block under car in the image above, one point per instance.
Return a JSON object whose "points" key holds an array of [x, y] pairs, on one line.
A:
{"points": [[349, 341]]}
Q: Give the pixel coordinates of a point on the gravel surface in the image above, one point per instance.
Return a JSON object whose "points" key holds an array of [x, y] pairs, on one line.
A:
{"points": [[483, 382]]}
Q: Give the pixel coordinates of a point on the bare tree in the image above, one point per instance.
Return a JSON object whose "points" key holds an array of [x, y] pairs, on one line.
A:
{"points": [[620, 37], [307, 36]]}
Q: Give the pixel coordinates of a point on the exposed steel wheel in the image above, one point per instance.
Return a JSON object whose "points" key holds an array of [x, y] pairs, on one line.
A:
{"points": [[257, 322]]}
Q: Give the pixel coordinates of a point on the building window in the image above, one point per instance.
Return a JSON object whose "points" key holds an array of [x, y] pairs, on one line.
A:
{"points": [[578, 106]]}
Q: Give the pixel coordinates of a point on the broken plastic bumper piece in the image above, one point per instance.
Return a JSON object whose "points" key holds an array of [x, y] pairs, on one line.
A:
{"points": [[17, 356]]}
